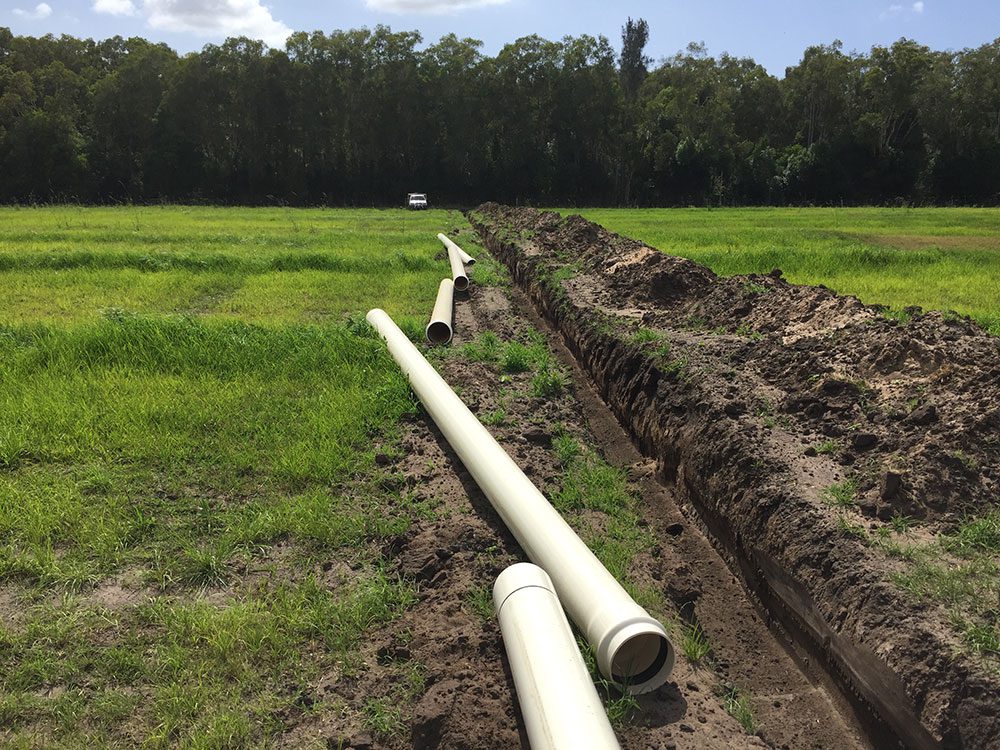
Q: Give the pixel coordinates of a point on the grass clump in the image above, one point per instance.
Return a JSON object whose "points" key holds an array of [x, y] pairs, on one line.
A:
{"points": [[548, 382], [737, 704], [841, 494], [644, 335], [655, 340], [516, 357], [566, 447], [566, 272], [976, 536], [494, 418], [589, 483], [901, 524], [384, 717], [486, 348], [827, 447], [694, 643], [480, 601]]}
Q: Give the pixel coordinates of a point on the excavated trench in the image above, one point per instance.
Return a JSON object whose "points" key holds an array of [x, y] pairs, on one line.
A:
{"points": [[726, 384]]}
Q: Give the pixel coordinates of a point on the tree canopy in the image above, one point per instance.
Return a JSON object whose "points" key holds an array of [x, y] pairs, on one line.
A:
{"points": [[366, 115]]}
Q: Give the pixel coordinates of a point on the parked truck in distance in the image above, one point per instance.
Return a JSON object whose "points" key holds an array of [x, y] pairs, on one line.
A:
{"points": [[416, 201]]}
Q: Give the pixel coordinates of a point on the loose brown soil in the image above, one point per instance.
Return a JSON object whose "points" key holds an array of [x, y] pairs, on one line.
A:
{"points": [[467, 700], [744, 378]]}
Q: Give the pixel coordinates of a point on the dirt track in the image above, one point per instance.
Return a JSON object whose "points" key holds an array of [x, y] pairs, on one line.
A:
{"points": [[759, 370]]}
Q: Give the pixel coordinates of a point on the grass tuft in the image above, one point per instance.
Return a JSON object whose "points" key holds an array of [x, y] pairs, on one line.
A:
{"points": [[694, 643], [737, 704], [841, 494], [480, 601]]}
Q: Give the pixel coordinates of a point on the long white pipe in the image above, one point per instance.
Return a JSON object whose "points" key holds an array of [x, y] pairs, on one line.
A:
{"points": [[559, 705], [457, 270], [438, 331], [448, 243], [632, 648]]}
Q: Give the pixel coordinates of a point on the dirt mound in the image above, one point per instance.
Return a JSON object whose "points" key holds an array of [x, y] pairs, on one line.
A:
{"points": [[780, 413], [912, 405]]}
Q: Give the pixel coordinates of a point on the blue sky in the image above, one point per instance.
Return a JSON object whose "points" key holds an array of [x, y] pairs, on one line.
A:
{"points": [[774, 32]]}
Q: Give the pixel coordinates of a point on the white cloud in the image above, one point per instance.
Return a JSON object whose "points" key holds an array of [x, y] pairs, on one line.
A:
{"points": [[42, 10], [896, 9], [428, 6], [114, 7], [217, 18]]}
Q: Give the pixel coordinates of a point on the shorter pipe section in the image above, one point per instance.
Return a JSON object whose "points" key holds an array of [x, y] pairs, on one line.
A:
{"points": [[559, 705], [439, 329], [466, 258], [458, 276]]}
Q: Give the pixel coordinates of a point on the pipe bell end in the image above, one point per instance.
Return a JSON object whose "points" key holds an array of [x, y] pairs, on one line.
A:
{"points": [[637, 655]]}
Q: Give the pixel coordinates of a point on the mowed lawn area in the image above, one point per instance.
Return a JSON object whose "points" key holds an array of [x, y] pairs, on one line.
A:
{"points": [[191, 516], [937, 258]]}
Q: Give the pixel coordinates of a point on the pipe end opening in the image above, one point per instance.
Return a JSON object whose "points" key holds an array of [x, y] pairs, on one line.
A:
{"points": [[642, 662], [438, 332], [461, 283]]}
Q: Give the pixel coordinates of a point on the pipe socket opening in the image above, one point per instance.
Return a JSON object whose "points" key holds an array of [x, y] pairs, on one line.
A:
{"points": [[640, 657], [461, 283], [438, 332]]}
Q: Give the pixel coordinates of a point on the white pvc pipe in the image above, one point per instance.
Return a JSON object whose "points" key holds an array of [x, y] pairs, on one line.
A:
{"points": [[438, 331], [466, 258], [559, 704], [457, 270], [632, 648]]}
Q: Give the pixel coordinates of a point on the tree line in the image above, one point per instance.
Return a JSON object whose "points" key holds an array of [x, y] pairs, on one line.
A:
{"points": [[364, 116]]}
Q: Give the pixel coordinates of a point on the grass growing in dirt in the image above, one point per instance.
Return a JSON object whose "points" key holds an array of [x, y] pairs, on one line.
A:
{"points": [[590, 484], [937, 258], [621, 707], [190, 511], [960, 570], [737, 704], [841, 494], [515, 357], [694, 643]]}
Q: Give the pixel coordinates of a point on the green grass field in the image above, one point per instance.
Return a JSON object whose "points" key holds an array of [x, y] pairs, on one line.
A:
{"points": [[189, 402], [257, 265], [937, 258], [188, 407]]}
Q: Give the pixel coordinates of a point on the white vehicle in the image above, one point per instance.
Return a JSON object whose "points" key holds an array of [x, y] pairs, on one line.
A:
{"points": [[416, 201]]}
